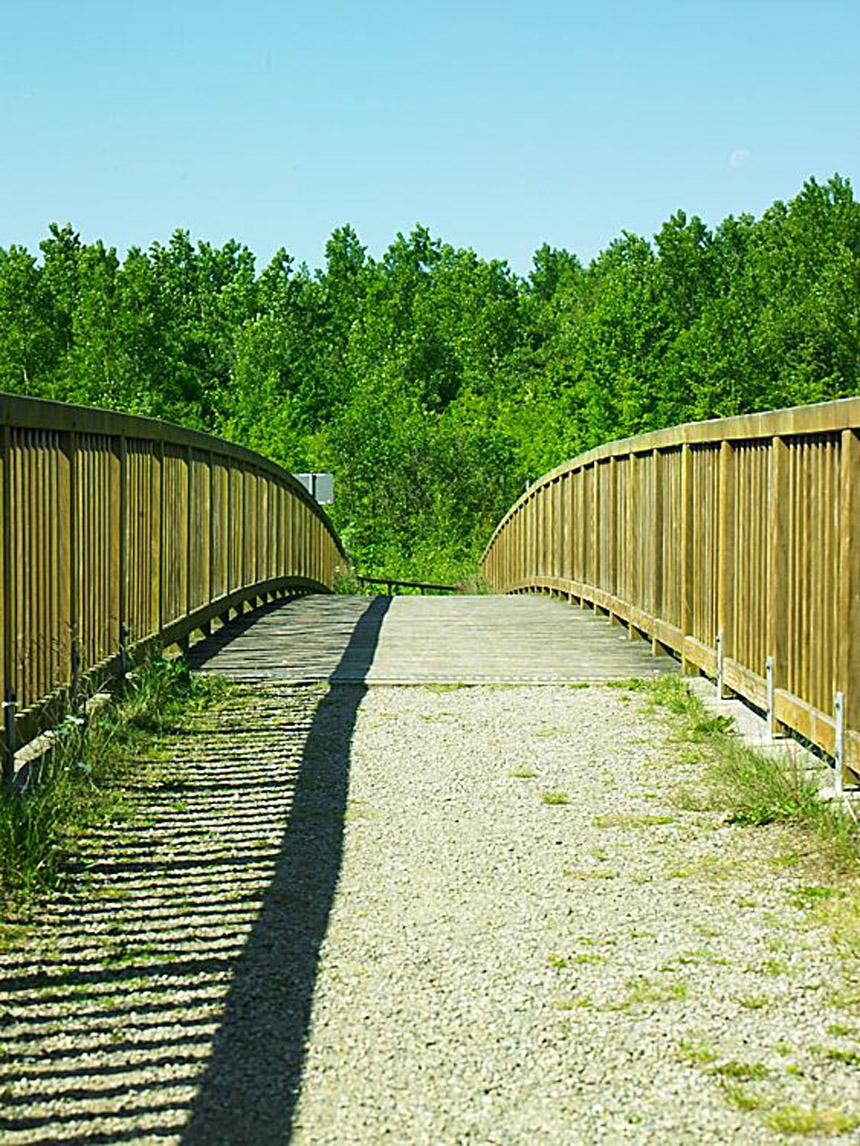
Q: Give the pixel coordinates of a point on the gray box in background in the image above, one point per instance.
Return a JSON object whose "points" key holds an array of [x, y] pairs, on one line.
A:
{"points": [[320, 485]]}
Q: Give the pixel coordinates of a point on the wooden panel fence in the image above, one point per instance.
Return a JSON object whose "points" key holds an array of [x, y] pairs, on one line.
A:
{"points": [[122, 533], [733, 543]]}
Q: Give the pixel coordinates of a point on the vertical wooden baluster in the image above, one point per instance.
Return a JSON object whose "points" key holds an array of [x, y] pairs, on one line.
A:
{"points": [[656, 461], [848, 627], [724, 557], [778, 542], [687, 563], [9, 619]]}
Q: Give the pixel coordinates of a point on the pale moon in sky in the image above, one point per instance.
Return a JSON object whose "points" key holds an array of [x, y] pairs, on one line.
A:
{"points": [[738, 158]]}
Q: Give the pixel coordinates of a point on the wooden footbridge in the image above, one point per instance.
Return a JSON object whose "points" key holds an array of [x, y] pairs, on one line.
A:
{"points": [[732, 544], [355, 890]]}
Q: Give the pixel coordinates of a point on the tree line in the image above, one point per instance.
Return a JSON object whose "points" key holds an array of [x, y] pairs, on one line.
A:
{"points": [[433, 383]]}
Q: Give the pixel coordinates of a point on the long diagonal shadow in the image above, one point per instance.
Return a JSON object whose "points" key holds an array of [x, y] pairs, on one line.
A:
{"points": [[250, 1087]]}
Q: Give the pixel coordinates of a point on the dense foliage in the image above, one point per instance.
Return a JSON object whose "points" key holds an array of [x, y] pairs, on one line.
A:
{"points": [[433, 383]]}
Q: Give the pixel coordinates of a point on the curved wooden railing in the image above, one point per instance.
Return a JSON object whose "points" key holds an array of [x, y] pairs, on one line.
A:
{"points": [[120, 533], [734, 543]]}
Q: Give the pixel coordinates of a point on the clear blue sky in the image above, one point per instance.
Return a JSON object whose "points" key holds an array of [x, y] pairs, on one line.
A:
{"points": [[500, 125]]}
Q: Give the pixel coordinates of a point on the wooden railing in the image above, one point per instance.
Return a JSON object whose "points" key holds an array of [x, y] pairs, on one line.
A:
{"points": [[391, 584], [733, 543], [120, 533]]}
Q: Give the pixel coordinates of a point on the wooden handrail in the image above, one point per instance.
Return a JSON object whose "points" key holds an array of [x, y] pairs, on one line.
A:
{"points": [[422, 585], [734, 543], [123, 533]]}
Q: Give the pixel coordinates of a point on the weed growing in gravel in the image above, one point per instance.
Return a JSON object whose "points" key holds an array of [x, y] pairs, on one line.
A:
{"points": [[794, 1120], [807, 896], [834, 1054], [624, 820], [524, 775], [705, 867], [758, 789], [557, 962], [555, 798], [840, 1030], [12, 935], [741, 1071], [846, 999], [740, 1097], [685, 958], [571, 1002], [774, 968], [648, 991], [753, 1002], [699, 1052], [755, 787], [79, 782]]}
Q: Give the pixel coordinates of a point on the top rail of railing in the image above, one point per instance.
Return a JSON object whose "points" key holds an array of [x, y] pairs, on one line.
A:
{"points": [[734, 543], [121, 532], [392, 583]]}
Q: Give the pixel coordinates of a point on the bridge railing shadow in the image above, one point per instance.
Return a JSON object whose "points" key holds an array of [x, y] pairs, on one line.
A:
{"points": [[250, 1087]]}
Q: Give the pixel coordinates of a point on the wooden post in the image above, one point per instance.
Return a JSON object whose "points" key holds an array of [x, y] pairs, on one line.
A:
{"points": [[189, 522], [210, 596], [7, 696], [162, 534], [632, 586], [848, 616], [122, 556], [656, 460], [724, 556], [779, 526], [687, 555], [612, 573], [595, 525]]}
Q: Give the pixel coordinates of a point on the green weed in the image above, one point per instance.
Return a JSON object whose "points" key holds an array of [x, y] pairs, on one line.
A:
{"points": [[774, 967], [753, 1002], [740, 1097], [648, 991], [699, 1052], [625, 820], [794, 1120], [840, 1030], [741, 1071]]}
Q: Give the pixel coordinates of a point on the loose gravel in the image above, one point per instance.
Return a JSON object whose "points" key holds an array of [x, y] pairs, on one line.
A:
{"points": [[429, 915]]}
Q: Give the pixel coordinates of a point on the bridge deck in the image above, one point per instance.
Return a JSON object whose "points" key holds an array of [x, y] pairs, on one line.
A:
{"points": [[413, 640]]}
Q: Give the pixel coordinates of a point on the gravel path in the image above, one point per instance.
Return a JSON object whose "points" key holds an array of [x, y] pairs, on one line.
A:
{"points": [[361, 916]]}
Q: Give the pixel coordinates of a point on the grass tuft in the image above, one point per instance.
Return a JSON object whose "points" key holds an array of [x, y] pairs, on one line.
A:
{"points": [[741, 1071], [794, 1120], [698, 1052], [740, 1097]]}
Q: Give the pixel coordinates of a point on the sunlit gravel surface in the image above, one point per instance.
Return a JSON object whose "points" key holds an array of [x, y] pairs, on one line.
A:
{"points": [[499, 969]]}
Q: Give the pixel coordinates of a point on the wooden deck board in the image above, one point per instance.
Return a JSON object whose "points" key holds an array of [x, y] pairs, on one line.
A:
{"points": [[414, 640]]}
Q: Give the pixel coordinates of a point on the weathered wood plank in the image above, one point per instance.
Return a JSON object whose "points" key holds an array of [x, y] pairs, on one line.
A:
{"points": [[456, 640]]}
